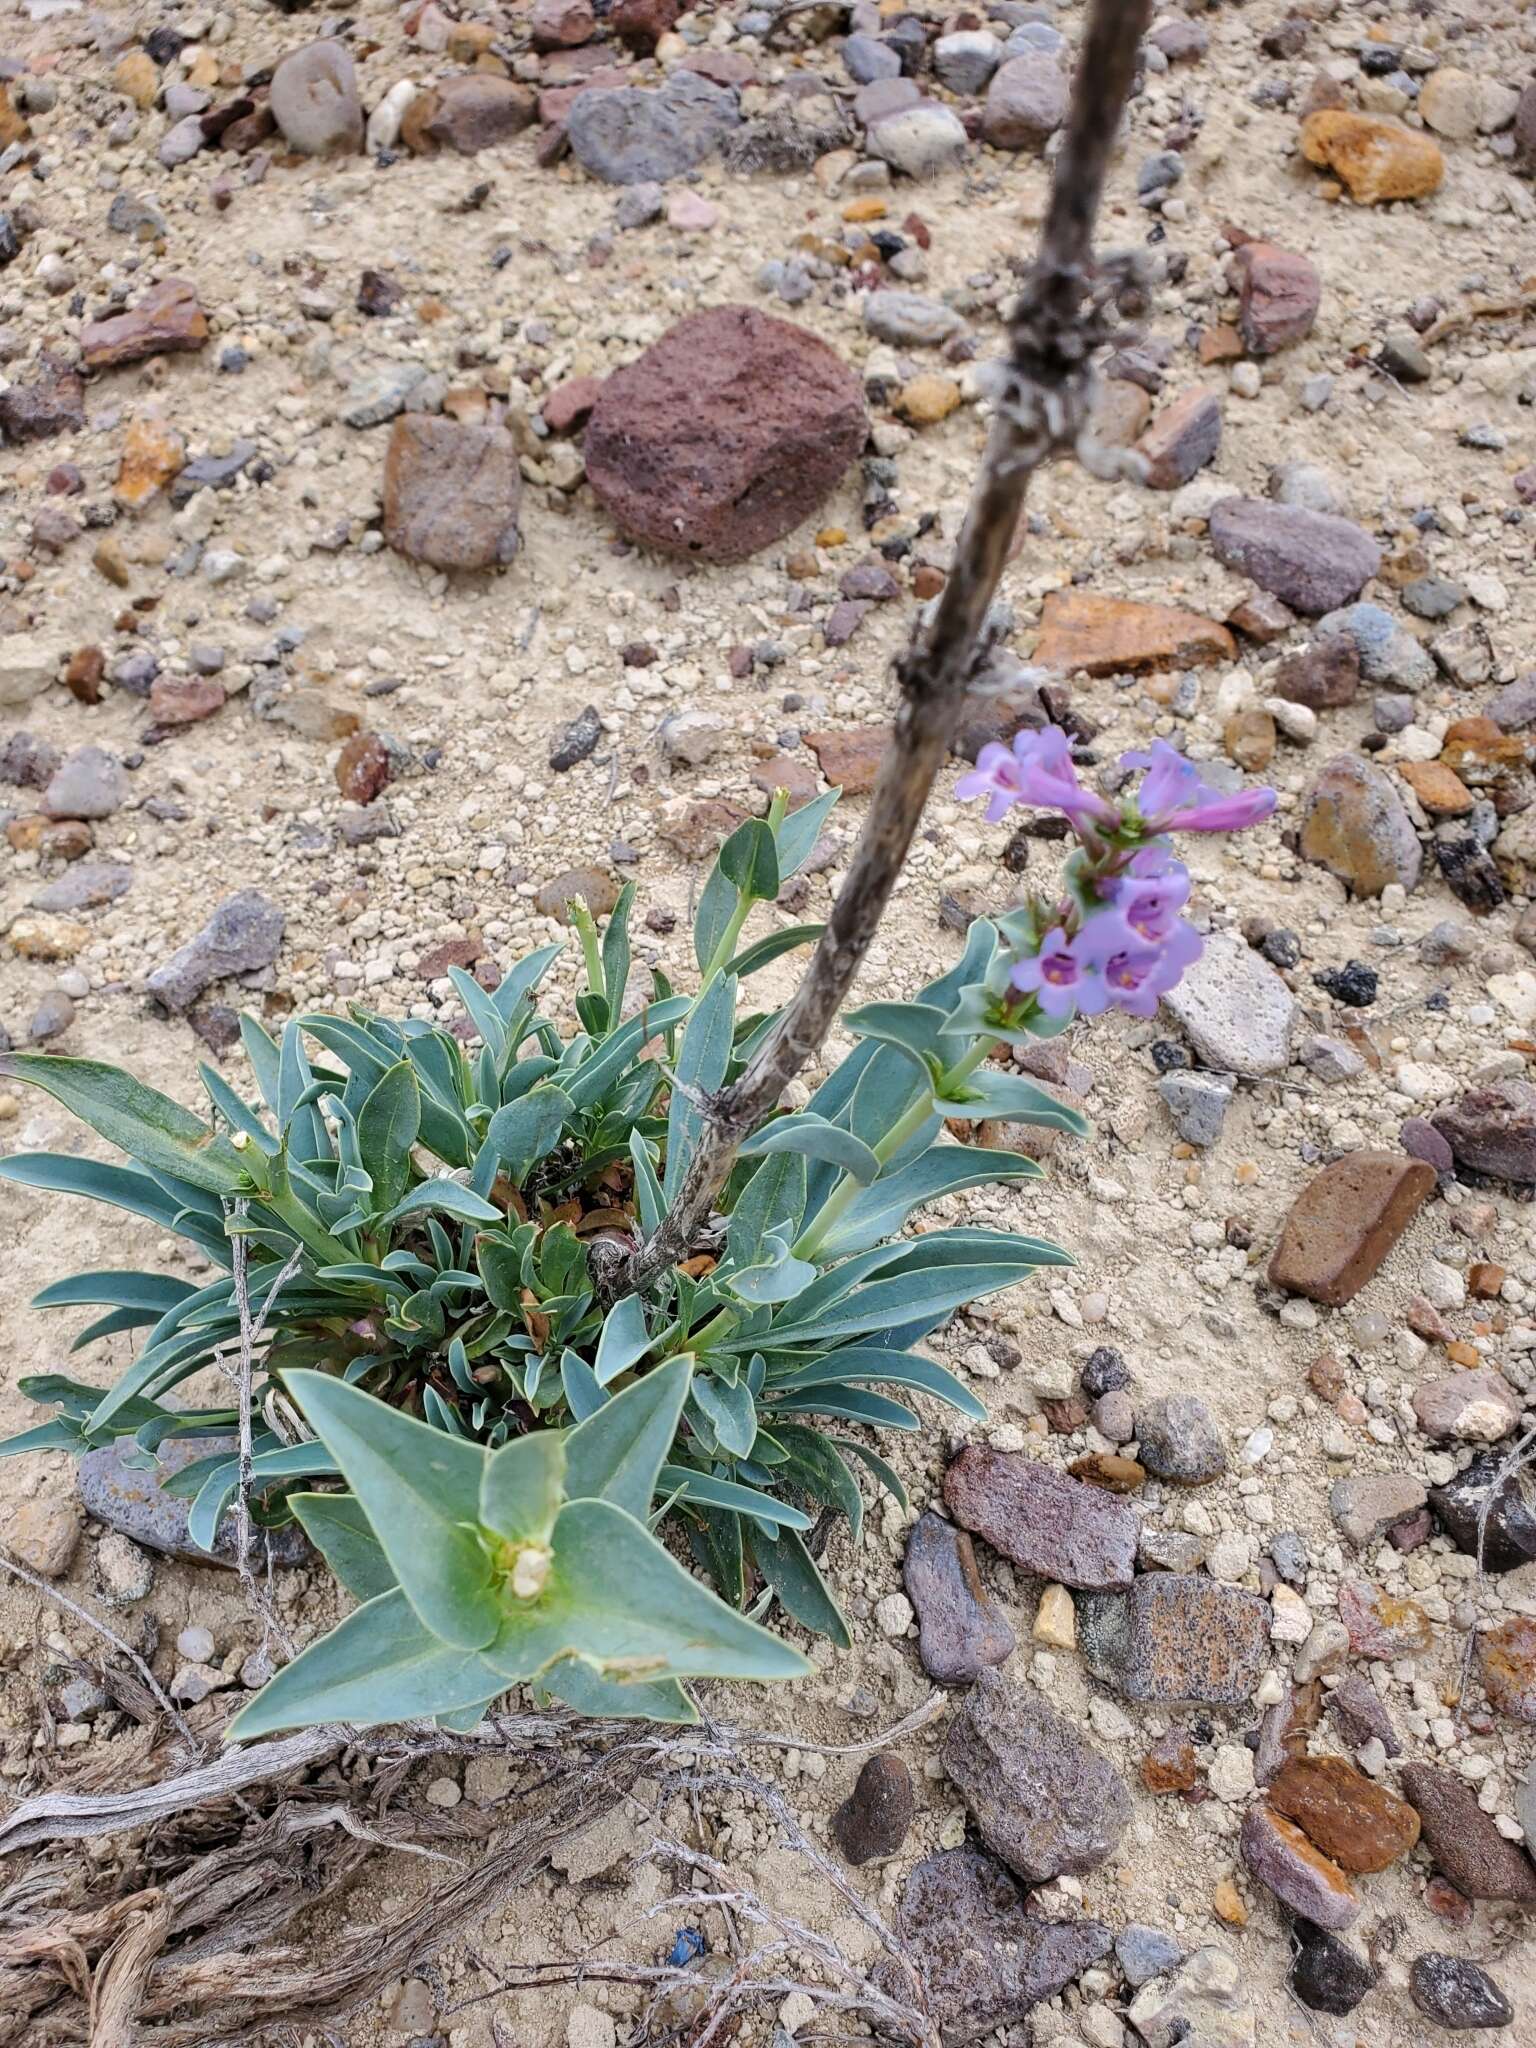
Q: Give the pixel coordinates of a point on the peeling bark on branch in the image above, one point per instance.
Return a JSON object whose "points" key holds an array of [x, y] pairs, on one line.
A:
{"points": [[1061, 318]]}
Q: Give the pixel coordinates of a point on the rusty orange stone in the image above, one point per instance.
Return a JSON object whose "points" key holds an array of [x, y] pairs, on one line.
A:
{"points": [[1344, 1223], [1170, 1764], [1362, 1825], [1438, 788], [1110, 635], [1506, 1657], [1377, 159], [850, 759], [153, 453]]}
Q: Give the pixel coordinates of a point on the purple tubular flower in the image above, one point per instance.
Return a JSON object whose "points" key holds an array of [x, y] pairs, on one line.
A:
{"points": [[1137, 978], [1173, 797], [1150, 895], [1065, 975], [1037, 770]]}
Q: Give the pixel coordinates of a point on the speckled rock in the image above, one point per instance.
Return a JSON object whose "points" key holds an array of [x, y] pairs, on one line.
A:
{"points": [[1506, 1662], [1463, 1840], [1178, 1440], [1457, 1993], [1055, 1527], [1042, 1798], [1353, 823], [1176, 1638], [133, 1502], [1467, 1407], [635, 137], [1235, 1009], [873, 1820]]}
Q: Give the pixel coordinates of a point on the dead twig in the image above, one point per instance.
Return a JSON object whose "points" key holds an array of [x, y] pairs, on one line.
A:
{"points": [[1480, 309], [1041, 405]]}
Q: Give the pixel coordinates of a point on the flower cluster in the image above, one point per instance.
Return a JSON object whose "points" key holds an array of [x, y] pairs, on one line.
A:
{"points": [[1118, 941]]}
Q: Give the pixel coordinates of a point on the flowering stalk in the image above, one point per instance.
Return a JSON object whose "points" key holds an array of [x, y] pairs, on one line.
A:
{"points": [[1116, 939]]}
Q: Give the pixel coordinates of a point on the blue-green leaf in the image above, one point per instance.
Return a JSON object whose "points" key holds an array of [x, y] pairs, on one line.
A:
{"points": [[523, 979], [583, 1396], [624, 1340], [616, 1452], [605, 1699], [340, 1531], [790, 1569], [648, 1196], [750, 860], [734, 1498], [773, 1198], [140, 1121], [816, 1139], [718, 900], [387, 1127], [702, 1060], [522, 1487], [528, 1129], [730, 1412], [913, 1028], [856, 1364], [763, 952], [292, 1461], [444, 1198], [156, 1292], [798, 833], [989, 1093], [880, 1211], [596, 1075]]}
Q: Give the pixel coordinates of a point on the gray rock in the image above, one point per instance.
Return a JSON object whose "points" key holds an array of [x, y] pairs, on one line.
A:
{"points": [[983, 1956], [1388, 652], [1331, 1060], [1174, 1638], [1365, 1507], [314, 100], [633, 137], [1146, 1952], [1026, 103], [578, 741], [961, 1631], [1310, 561], [1464, 1841], [1203, 2007], [1179, 1441], [1391, 712], [1308, 485], [89, 783], [242, 936], [1042, 1798], [873, 1820], [1198, 1104], [374, 396], [1456, 1993], [966, 60], [921, 140], [1354, 824], [1051, 1525], [866, 58], [1432, 597], [52, 1017], [639, 205], [909, 320], [1299, 1875], [123, 1573], [140, 218], [178, 145], [1235, 1009], [119, 1487], [1513, 708], [1356, 1710], [210, 472], [86, 885], [1525, 1807]]}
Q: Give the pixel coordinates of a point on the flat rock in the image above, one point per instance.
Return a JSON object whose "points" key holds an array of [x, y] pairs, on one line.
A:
{"points": [[86, 885], [1356, 1710], [452, 492], [1298, 1873], [1467, 1407], [909, 320], [1344, 1223], [1353, 822], [1492, 1130], [1327, 1975], [88, 783], [1386, 647], [1207, 2005], [984, 1957], [1364, 1507], [134, 1503], [1055, 1527], [167, 320], [851, 759], [1234, 1009], [724, 434], [1311, 561], [1113, 635], [961, 1631], [473, 111], [1042, 1798], [242, 936], [1184, 437], [1377, 159], [314, 100], [29, 662], [1324, 676], [1506, 1661], [637, 137], [1279, 293], [1456, 1993], [1462, 1839], [1176, 1638], [592, 886], [1361, 1825]]}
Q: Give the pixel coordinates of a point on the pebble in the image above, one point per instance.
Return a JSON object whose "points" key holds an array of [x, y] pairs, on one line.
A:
{"points": [[866, 58], [123, 1572], [1467, 1407], [1043, 1799], [963, 61], [920, 140], [874, 1819], [1026, 103], [452, 493], [1203, 2006], [1492, 1130], [578, 741], [909, 320], [89, 783], [43, 1535], [1463, 1840], [1052, 1526], [1377, 159], [1110, 635], [1296, 1871], [1456, 1993], [1175, 1638], [984, 1957], [1354, 824], [314, 100], [1311, 561], [1144, 1953], [683, 442], [961, 1631], [1198, 1104], [1387, 651], [466, 113], [1324, 676], [1182, 440], [242, 936], [1327, 1974], [168, 319], [1366, 1505], [1279, 293], [1506, 1658], [1178, 1440], [1234, 1009], [1485, 1509]]}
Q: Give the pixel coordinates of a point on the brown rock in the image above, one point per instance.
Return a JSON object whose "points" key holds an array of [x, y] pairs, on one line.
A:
{"points": [[1344, 1223], [1249, 738], [597, 890], [569, 404], [153, 453], [1112, 635], [1050, 1525], [786, 771], [873, 1820], [167, 321], [1183, 438], [1322, 676], [1506, 1658], [1278, 297], [1362, 1825], [1438, 788], [1377, 159], [1170, 1764], [53, 403], [724, 434], [43, 1534], [1300, 1876], [12, 127], [363, 767], [1261, 617], [561, 24], [1381, 1626], [1353, 823], [1120, 411], [54, 838], [1463, 1840], [468, 113], [85, 674], [641, 24], [136, 76], [185, 700], [697, 830], [451, 493], [1219, 344], [851, 759]]}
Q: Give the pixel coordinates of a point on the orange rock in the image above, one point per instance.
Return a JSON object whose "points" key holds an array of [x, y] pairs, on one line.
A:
{"points": [[1377, 159], [870, 207], [1220, 345], [1228, 1903], [928, 399], [850, 759], [1362, 1825], [1438, 788], [1170, 1765], [135, 76], [153, 452], [12, 127], [1107, 635], [1249, 738], [1345, 1221], [1478, 743]]}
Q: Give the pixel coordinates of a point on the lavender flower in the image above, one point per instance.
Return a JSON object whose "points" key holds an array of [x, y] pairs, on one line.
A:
{"points": [[1173, 797], [1036, 769], [1065, 975]]}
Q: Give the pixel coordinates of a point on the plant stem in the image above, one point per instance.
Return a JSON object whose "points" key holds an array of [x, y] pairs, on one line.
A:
{"points": [[1041, 408]]}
